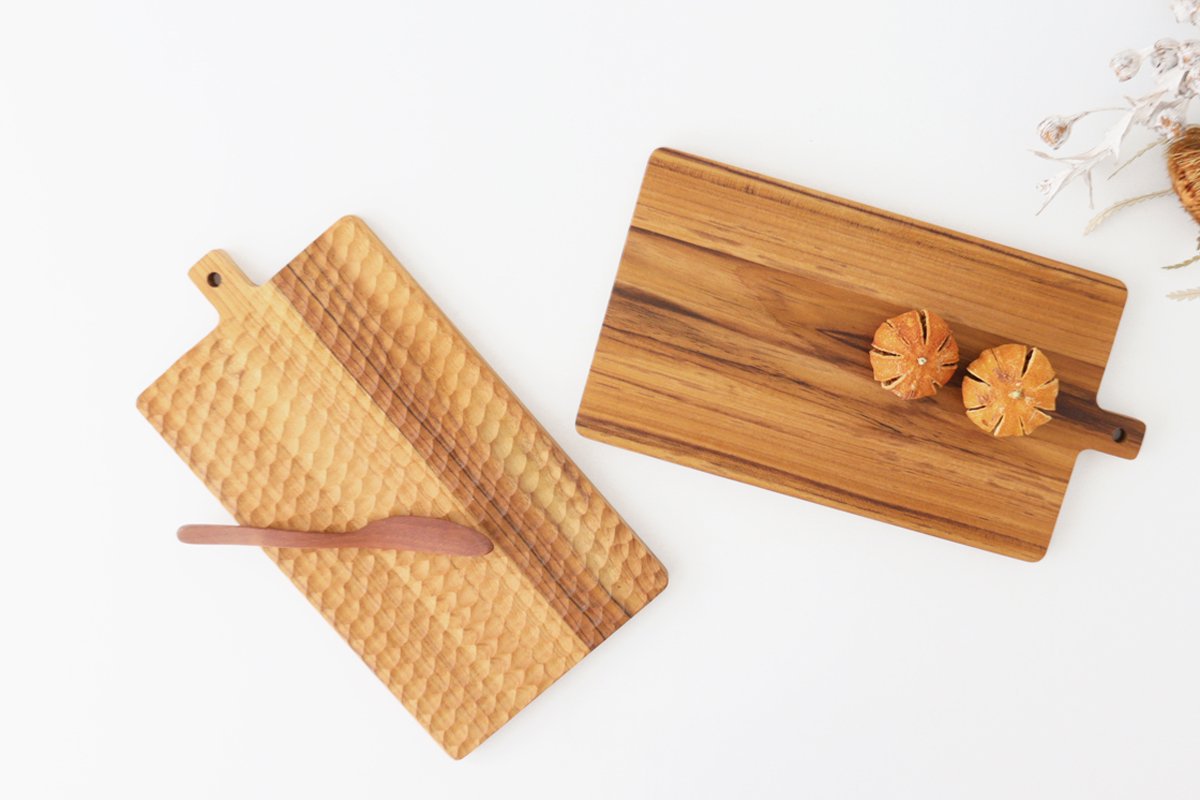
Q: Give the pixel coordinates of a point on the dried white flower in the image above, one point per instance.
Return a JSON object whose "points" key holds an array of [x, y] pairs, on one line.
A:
{"points": [[1168, 123], [1187, 11], [1055, 130], [1165, 55], [1162, 111], [1189, 52], [1189, 83], [1126, 64]]}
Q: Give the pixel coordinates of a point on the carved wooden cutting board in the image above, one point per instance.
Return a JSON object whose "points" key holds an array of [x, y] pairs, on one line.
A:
{"points": [[736, 342], [337, 394]]}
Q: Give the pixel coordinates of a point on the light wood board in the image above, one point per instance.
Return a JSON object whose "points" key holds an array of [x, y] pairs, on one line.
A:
{"points": [[337, 394], [736, 341]]}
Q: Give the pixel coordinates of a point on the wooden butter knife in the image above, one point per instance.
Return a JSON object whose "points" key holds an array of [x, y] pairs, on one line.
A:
{"points": [[420, 534]]}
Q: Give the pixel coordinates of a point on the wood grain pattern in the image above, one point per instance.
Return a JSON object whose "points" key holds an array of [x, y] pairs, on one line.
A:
{"points": [[337, 394], [736, 341]]}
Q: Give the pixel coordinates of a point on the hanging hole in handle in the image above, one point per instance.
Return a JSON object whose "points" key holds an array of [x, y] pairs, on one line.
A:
{"points": [[1118, 434], [214, 279]]}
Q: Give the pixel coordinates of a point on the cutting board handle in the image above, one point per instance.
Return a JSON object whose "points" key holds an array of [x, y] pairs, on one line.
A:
{"points": [[222, 281], [1110, 433]]}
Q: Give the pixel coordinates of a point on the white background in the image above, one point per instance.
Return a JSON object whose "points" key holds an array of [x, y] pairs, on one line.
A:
{"points": [[498, 149]]}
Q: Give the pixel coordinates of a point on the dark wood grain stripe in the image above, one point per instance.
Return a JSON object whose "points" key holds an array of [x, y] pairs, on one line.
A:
{"points": [[346, 325]]}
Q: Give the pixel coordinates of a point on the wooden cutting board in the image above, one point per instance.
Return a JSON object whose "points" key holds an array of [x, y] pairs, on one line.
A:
{"points": [[337, 394], [736, 342]]}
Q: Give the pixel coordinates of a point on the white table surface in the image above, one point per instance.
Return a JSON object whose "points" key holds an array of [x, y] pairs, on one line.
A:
{"points": [[498, 149]]}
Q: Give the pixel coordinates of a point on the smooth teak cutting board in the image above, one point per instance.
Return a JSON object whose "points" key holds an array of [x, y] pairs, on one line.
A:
{"points": [[337, 394], [736, 341]]}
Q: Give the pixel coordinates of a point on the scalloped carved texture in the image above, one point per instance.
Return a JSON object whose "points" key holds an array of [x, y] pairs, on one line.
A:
{"points": [[338, 393]]}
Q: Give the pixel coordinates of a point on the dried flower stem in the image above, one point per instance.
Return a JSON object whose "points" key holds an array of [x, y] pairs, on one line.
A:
{"points": [[1113, 209], [1185, 294], [1186, 262], [1136, 156]]}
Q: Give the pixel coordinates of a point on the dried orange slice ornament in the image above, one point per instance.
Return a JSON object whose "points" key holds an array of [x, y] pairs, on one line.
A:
{"points": [[914, 354], [1009, 389]]}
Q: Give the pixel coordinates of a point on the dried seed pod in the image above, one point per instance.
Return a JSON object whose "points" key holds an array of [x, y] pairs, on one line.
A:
{"points": [[1168, 123], [1189, 52], [1055, 130], [914, 354], [1126, 64], [1186, 11], [1009, 389], [1165, 55], [1183, 165]]}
